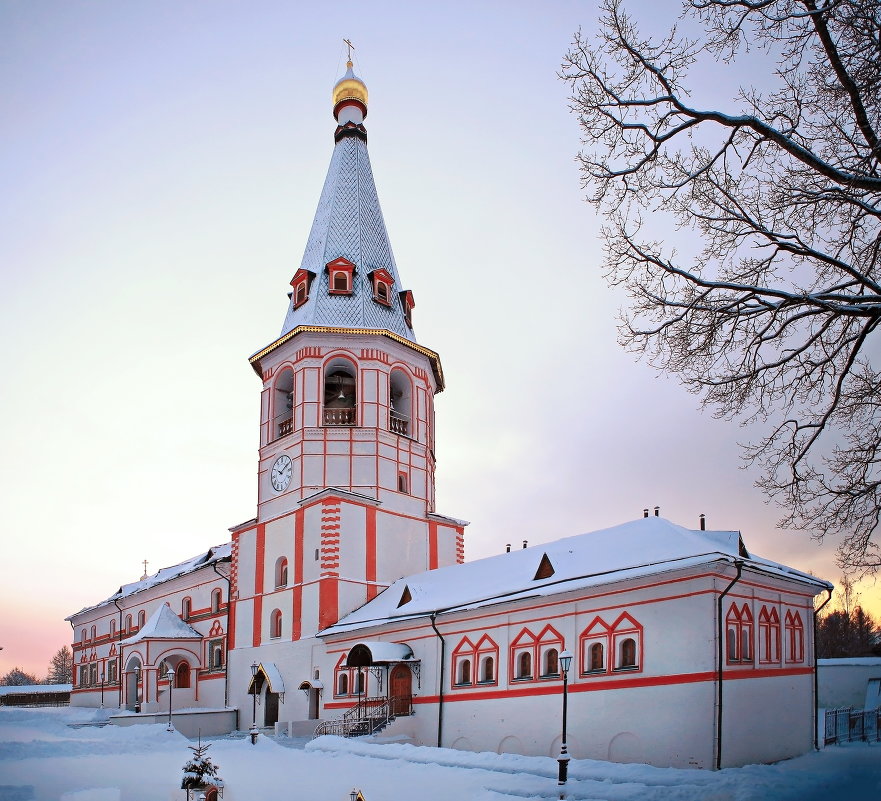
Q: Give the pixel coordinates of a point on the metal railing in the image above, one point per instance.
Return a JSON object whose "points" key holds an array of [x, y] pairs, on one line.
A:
{"points": [[847, 725], [367, 717], [285, 427]]}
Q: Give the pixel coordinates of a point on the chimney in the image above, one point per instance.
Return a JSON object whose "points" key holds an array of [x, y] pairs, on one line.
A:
{"points": [[657, 510], [645, 512], [703, 523], [524, 543], [508, 548]]}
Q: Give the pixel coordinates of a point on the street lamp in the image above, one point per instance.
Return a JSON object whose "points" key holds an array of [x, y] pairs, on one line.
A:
{"points": [[170, 676], [253, 730], [102, 689], [565, 660]]}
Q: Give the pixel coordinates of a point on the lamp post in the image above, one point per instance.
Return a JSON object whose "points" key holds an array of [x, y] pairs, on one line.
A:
{"points": [[563, 760], [253, 730], [137, 688], [170, 676], [102, 689]]}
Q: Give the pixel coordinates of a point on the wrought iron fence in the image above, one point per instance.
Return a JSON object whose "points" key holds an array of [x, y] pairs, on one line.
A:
{"points": [[847, 725]]}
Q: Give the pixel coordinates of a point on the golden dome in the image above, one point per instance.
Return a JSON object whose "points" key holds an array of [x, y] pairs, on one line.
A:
{"points": [[350, 87]]}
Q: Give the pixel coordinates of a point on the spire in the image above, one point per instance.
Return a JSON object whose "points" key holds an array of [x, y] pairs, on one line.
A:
{"points": [[348, 235]]}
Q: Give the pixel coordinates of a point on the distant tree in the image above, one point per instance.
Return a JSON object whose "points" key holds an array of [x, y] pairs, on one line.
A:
{"points": [[18, 678], [61, 667], [849, 630], [774, 319]]}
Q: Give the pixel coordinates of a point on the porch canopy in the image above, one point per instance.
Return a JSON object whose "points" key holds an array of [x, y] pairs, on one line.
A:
{"points": [[268, 672], [367, 654]]}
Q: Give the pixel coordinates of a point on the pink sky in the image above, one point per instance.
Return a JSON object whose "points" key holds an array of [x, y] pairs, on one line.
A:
{"points": [[162, 165]]}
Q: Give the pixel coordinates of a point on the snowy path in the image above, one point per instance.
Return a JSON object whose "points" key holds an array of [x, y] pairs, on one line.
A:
{"points": [[43, 759]]}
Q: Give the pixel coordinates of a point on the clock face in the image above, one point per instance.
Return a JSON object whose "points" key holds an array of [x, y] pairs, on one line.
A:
{"points": [[281, 473]]}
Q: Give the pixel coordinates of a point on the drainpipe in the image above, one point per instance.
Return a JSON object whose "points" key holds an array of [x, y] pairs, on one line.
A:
{"points": [[228, 615], [119, 673], [440, 697], [721, 655], [816, 687]]}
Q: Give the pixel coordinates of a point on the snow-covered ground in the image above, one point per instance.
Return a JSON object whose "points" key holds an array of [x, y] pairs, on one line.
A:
{"points": [[43, 759]]}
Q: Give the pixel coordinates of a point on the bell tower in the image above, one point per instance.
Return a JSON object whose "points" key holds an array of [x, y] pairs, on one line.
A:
{"points": [[346, 498]]}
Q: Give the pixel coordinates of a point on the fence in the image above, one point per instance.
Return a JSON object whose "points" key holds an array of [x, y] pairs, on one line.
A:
{"points": [[36, 699], [848, 724]]}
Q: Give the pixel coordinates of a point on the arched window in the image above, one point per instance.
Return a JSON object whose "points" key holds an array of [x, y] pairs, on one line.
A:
{"points": [[128, 624], [186, 608], [795, 643], [739, 627], [112, 627], [524, 665], [282, 404], [216, 599], [182, 675], [343, 684], [597, 662], [275, 624], [464, 676], [400, 403], [94, 633], [281, 572], [551, 662], [359, 682], [300, 294], [628, 653], [340, 281], [488, 670], [340, 393], [142, 617], [83, 636], [769, 635]]}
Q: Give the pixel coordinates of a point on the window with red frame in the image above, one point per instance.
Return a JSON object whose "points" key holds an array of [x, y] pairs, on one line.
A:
{"points": [[475, 664], [536, 657], [608, 648], [795, 637], [275, 624], [769, 635], [739, 634]]}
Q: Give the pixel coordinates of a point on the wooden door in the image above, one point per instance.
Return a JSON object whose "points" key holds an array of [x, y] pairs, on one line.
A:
{"points": [[401, 690], [270, 715]]}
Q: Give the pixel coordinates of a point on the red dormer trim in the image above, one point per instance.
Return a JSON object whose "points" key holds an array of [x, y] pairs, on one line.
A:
{"points": [[382, 286], [407, 303], [301, 283], [339, 276]]}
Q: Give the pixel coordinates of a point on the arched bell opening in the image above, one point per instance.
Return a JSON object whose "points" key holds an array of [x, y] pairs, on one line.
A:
{"points": [[400, 403], [340, 393], [283, 404]]}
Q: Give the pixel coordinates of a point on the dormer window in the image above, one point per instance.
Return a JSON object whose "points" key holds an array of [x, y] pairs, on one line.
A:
{"points": [[301, 282], [407, 303], [339, 276], [382, 286]]}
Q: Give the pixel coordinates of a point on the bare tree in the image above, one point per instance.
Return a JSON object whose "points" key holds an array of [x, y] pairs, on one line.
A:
{"points": [[18, 678], [773, 319]]}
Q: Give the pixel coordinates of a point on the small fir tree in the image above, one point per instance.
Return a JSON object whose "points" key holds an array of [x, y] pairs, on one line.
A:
{"points": [[199, 770]]}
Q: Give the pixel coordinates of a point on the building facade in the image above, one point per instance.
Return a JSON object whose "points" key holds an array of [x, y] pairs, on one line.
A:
{"points": [[349, 591]]}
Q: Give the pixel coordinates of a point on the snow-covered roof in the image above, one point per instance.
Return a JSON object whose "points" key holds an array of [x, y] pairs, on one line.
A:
{"points": [[164, 624], [16, 689], [639, 548], [377, 652], [219, 553], [855, 661]]}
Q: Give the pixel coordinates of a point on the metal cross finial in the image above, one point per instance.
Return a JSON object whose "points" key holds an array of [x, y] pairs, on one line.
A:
{"points": [[145, 569], [351, 48]]}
